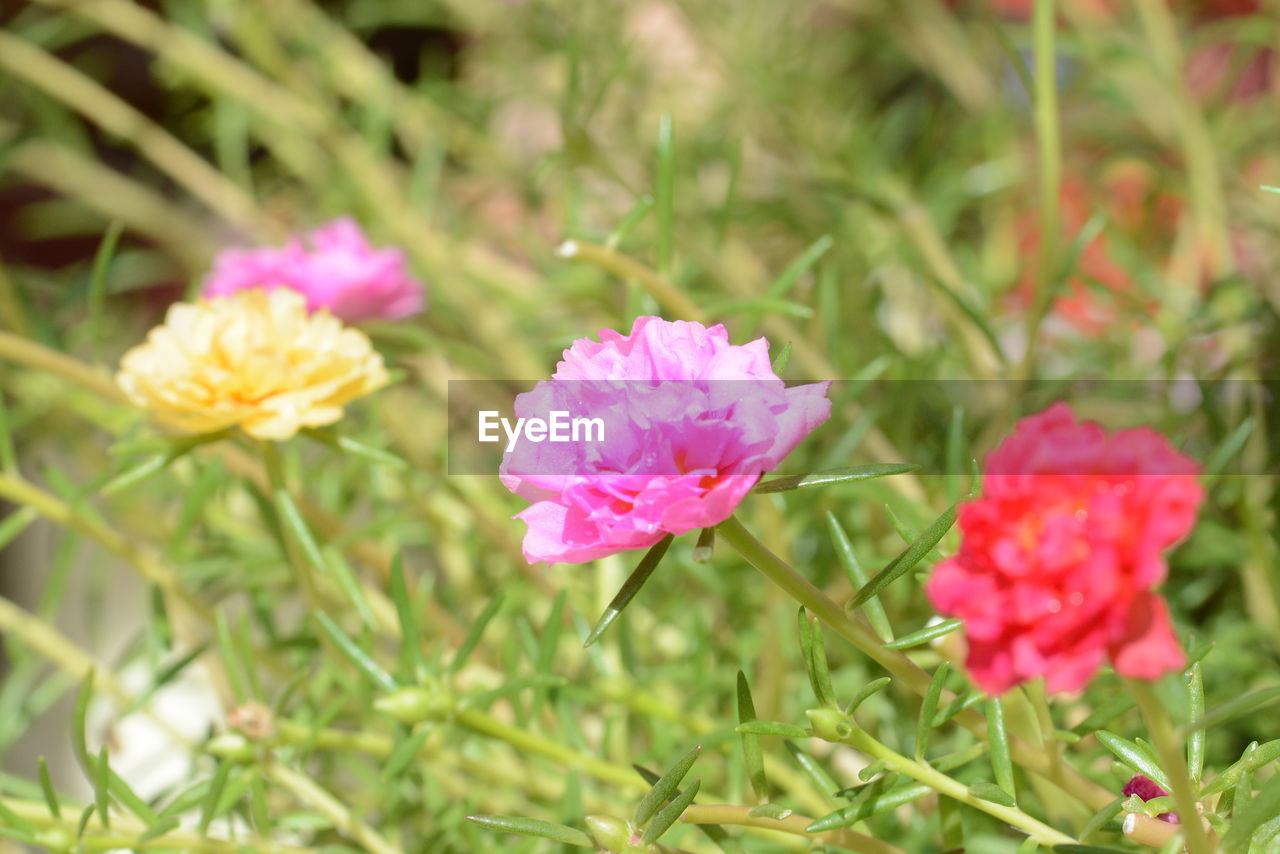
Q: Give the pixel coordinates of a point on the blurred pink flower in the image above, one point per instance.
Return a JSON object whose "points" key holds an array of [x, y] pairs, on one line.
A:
{"points": [[334, 267], [1146, 788], [1060, 554], [690, 423]]}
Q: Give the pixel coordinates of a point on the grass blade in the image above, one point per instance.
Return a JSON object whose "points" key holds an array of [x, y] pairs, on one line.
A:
{"points": [[905, 561], [630, 588], [845, 474], [751, 752]]}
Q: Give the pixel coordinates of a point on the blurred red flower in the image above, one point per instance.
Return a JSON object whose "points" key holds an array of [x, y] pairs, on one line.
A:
{"points": [[1060, 554]]}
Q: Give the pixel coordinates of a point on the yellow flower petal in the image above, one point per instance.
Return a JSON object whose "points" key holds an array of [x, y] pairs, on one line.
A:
{"points": [[255, 359]]}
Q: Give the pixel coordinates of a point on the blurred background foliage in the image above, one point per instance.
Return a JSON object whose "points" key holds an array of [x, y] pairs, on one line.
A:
{"points": [[855, 178]]}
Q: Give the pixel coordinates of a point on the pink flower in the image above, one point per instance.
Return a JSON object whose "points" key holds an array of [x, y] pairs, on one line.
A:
{"points": [[1060, 554], [690, 422], [334, 267], [1146, 788]]}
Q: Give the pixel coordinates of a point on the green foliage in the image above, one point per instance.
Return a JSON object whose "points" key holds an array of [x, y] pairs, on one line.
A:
{"points": [[871, 187]]}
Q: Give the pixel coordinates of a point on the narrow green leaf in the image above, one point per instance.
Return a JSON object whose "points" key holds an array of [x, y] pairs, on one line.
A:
{"points": [[955, 452], [753, 756], [782, 359], [668, 815], [998, 746], [967, 700], [1131, 754], [871, 804], [15, 523], [298, 528], [1105, 714], [101, 784], [816, 658], [534, 827], [926, 634], [164, 677], [1236, 708], [633, 218], [79, 723], [213, 794], [1099, 819], [905, 561], [98, 282], [1253, 758], [705, 546], [873, 608], [986, 791], [664, 196], [924, 726], [630, 588], [772, 728], [46, 786], [411, 659], [1195, 709], [356, 448], [83, 823], [405, 751], [160, 828], [847, 474], [11, 818], [1085, 849], [663, 789], [1230, 447], [230, 654], [8, 456], [1028, 846], [872, 687], [354, 653], [812, 769], [875, 769], [350, 585], [474, 632], [1247, 818]]}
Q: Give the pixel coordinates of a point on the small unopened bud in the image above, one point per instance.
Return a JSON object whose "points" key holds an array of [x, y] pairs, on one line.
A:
{"points": [[414, 705], [609, 833], [829, 724], [230, 745], [253, 720]]}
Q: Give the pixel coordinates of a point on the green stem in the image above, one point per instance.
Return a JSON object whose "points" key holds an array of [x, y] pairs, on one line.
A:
{"points": [[1049, 148], [125, 831], [1148, 831], [482, 723], [20, 491], [1173, 761], [794, 824], [24, 351], [941, 783], [667, 295], [281, 500], [308, 792]]}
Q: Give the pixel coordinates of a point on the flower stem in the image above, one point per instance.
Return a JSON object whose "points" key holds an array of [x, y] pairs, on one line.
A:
{"points": [[1049, 147], [795, 824], [478, 721], [283, 503], [1147, 831], [125, 832], [24, 351], [308, 792], [1173, 761], [944, 785]]}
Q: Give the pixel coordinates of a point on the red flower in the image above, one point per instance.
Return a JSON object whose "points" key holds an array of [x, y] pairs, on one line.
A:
{"points": [[1146, 788], [1060, 554]]}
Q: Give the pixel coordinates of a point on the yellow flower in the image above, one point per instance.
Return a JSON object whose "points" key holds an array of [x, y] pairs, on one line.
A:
{"points": [[255, 359]]}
